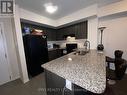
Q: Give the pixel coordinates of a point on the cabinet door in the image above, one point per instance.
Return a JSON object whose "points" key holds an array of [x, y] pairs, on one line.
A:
{"points": [[51, 34], [52, 54], [59, 53], [79, 29], [59, 35], [83, 33], [54, 83]]}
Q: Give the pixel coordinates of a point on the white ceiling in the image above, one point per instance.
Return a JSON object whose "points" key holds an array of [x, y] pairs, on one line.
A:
{"points": [[65, 7]]}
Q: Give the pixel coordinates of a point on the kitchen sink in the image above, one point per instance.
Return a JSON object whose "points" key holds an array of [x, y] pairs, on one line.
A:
{"points": [[81, 52]]}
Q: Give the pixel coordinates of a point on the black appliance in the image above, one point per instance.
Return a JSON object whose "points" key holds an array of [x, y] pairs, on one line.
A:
{"points": [[70, 47], [36, 53]]}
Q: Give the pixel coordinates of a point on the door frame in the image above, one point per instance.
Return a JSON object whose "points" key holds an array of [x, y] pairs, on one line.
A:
{"points": [[6, 51]]}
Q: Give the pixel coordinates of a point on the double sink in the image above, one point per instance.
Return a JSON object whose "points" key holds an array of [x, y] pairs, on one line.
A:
{"points": [[81, 52]]}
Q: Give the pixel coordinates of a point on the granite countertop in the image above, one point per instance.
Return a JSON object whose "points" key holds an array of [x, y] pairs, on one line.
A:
{"points": [[87, 71]]}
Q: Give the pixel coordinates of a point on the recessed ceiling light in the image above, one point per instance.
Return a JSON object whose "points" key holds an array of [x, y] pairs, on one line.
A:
{"points": [[50, 8]]}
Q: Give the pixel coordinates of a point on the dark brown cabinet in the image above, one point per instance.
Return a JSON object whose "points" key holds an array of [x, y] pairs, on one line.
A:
{"points": [[49, 32], [79, 30], [55, 53], [54, 83]]}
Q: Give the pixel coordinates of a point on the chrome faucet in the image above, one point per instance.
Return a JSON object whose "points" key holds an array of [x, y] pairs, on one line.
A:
{"points": [[87, 45]]}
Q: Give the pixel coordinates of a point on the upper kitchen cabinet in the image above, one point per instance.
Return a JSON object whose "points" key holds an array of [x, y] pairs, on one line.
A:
{"points": [[49, 32], [81, 30], [78, 29]]}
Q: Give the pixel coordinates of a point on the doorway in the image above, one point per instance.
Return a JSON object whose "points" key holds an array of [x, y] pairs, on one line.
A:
{"points": [[5, 76]]}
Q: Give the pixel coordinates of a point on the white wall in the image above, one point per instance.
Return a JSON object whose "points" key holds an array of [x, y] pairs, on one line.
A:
{"points": [[114, 17], [8, 31], [92, 32], [115, 35]]}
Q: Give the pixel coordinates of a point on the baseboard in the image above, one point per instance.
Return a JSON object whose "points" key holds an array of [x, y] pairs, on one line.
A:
{"points": [[25, 81], [15, 78]]}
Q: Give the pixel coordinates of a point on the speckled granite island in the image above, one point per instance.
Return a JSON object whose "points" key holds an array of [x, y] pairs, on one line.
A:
{"points": [[87, 71]]}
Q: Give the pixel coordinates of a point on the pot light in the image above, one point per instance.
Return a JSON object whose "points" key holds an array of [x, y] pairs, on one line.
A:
{"points": [[50, 8]]}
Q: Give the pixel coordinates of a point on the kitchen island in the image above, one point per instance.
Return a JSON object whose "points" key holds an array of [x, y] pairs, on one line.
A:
{"points": [[86, 71]]}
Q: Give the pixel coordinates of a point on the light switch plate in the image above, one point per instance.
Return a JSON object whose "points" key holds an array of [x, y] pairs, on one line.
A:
{"points": [[68, 84]]}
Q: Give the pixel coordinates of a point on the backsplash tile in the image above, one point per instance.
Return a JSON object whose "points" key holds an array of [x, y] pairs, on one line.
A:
{"points": [[63, 43]]}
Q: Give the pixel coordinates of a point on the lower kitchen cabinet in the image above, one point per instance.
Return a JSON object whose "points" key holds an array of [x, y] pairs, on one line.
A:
{"points": [[55, 53], [55, 85]]}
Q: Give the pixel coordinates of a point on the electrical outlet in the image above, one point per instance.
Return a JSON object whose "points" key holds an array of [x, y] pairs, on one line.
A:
{"points": [[68, 84]]}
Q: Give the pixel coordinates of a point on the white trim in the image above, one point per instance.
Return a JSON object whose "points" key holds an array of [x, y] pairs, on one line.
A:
{"points": [[20, 47]]}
